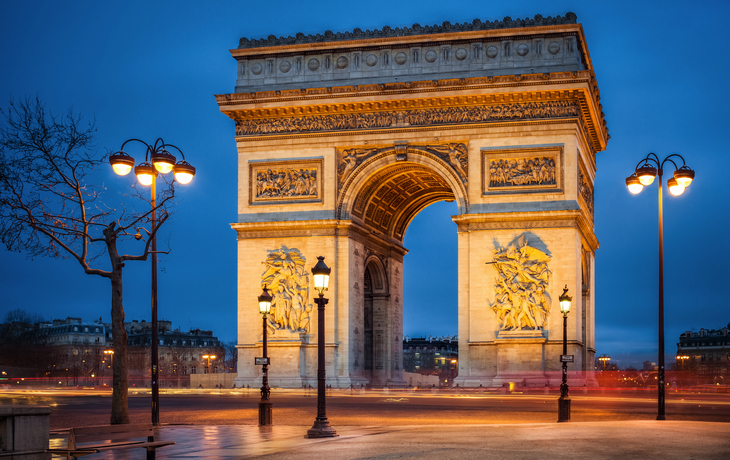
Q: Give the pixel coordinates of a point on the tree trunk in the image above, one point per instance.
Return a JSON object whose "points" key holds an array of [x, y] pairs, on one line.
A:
{"points": [[120, 385]]}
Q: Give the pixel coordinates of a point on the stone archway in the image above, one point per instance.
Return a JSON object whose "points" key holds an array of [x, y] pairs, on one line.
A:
{"points": [[381, 195], [341, 144]]}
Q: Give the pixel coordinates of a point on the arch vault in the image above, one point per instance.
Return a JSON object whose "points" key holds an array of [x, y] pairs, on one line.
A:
{"points": [[342, 139]]}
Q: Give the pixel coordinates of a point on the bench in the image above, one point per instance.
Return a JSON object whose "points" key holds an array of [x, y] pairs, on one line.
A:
{"points": [[93, 439]]}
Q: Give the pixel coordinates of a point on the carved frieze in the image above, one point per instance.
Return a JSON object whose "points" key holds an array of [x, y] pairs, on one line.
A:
{"points": [[519, 170], [421, 117], [585, 191], [285, 181], [286, 278], [521, 298], [455, 155]]}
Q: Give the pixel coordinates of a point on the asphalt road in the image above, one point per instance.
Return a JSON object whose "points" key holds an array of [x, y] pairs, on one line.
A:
{"points": [[84, 408]]}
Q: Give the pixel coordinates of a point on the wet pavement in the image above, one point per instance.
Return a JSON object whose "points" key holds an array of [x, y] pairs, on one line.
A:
{"points": [[573, 440]]}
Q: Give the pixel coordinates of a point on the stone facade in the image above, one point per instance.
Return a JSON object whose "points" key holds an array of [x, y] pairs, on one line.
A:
{"points": [[707, 352], [511, 138]]}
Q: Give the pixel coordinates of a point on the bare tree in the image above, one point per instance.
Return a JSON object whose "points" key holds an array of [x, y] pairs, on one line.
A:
{"points": [[230, 357], [50, 206]]}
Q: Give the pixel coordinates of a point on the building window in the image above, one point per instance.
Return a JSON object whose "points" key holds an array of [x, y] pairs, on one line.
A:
{"points": [[193, 370], [185, 370]]}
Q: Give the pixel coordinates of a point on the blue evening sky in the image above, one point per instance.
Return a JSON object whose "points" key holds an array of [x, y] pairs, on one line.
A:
{"points": [[149, 69]]}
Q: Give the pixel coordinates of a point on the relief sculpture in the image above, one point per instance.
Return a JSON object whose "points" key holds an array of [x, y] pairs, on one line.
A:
{"points": [[420, 117], [521, 298], [284, 183], [286, 279], [349, 160], [586, 192], [454, 154], [522, 172]]}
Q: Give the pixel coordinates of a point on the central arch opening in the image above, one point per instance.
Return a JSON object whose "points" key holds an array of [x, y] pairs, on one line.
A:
{"points": [[387, 203]]}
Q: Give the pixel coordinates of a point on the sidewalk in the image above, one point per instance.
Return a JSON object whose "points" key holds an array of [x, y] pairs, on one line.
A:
{"points": [[595, 440]]}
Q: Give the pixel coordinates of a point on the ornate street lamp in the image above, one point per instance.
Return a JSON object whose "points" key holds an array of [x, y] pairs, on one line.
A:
{"points": [[162, 162], [645, 172], [321, 427], [265, 404], [604, 359], [564, 400], [208, 357], [683, 358]]}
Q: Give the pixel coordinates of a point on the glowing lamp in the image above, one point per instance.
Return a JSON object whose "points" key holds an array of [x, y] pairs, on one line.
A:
{"points": [[634, 185], [674, 187], [184, 172], [321, 274], [684, 176], [265, 302], [145, 173], [565, 300], [121, 163], [646, 174], [163, 161]]}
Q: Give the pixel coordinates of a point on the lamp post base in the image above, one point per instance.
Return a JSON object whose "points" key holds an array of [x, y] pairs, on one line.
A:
{"points": [[321, 429], [564, 409], [265, 413]]}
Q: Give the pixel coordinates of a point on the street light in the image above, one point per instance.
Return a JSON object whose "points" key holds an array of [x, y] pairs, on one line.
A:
{"points": [[321, 427], [645, 172], [110, 353], [603, 359], [209, 357], [146, 174], [265, 404], [564, 400], [683, 358]]}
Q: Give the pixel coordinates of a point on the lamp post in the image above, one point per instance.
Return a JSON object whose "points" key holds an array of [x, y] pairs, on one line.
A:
{"points": [[564, 400], [162, 162], [321, 427], [603, 359], [265, 404], [683, 358], [208, 357], [110, 353], [645, 172]]}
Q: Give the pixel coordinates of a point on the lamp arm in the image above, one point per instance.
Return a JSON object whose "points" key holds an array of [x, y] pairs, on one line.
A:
{"points": [[649, 158], [175, 147], [149, 148], [669, 159]]}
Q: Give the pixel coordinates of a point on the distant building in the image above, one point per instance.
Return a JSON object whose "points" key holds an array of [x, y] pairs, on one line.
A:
{"points": [[78, 351], [708, 351], [432, 356], [180, 353], [70, 347]]}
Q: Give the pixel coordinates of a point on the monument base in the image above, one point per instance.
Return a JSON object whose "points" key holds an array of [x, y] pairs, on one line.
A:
{"points": [[520, 359]]}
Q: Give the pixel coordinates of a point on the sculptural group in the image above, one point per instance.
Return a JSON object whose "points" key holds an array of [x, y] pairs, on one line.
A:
{"points": [[286, 277], [521, 298]]}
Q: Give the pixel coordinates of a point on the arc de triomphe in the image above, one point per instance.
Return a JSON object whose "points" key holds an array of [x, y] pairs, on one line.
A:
{"points": [[343, 138]]}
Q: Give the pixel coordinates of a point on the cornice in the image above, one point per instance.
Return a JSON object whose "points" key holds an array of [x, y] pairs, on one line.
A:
{"points": [[323, 101]]}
